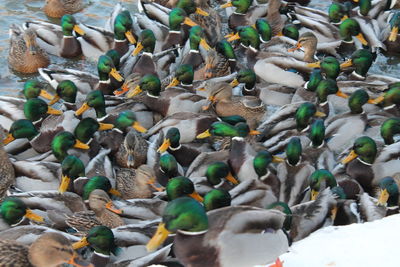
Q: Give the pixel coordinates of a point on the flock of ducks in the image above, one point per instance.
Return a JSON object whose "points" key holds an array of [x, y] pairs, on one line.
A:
{"points": [[214, 134]]}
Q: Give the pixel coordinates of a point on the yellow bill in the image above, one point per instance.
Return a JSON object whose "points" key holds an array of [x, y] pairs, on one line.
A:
{"points": [[114, 73], [174, 82], [45, 94], [33, 216], [53, 111], [196, 196], [201, 12], [352, 155], [231, 179], [334, 212], [158, 238], [114, 192], [80, 145], [189, 22], [234, 37], [361, 38], [204, 44], [8, 139], [105, 126], [228, 4], [277, 159], [204, 134], [135, 92], [130, 37], [383, 197], [165, 145], [138, 127], [346, 64], [110, 206], [377, 100], [320, 114], [139, 47], [314, 65], [82, 109], [80, 244], [234, 83], [393, 34], [314, 194], [65, 181], [341, 94], [345, 16], [78, 30], [54, 100]]}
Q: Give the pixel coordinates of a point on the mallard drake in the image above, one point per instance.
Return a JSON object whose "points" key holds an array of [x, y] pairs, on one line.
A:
{"points": [[350, 27], [34, 89], [97, 182], [14, 211], [249, 107], [194, 55], [167, 169], [58, 8], [180, 187], [183, 77], [146, 43], [71, 168], [220, 128], [63, 142], [213, 226], [389, 129], [389, 100], [243, 15], [167, 102], [36, 110], [50, 249], [293, 173], [365, 165], [102, 213], [24, 55], [68, 92], [56, 40], [85, 82], [217, 198], [248, 79], [361, 60]]}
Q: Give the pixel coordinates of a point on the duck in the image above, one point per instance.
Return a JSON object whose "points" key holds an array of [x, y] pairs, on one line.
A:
{"points": [[102, 213], [389, 129], [38, 254], [58, 8], [25, 56], [14, 211], [56, 40], [71, 168], [183, 77], [167, 168], [34, 89], [210, 226], [6, 171], [364, 164], [63, 142], [146, 44], [36, 110], [167, 102], [83, 80], [217, 198], [243, 15], [221, 128], [249, 107], [133, 152], [181, 186]]}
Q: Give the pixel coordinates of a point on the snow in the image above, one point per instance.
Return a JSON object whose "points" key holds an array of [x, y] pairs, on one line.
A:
{"points": [[369, 244]]}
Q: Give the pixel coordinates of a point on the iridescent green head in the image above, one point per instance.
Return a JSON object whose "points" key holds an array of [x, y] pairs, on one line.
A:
{"points": [[337, 12], [392, 97], [321, 179], [196, 36], [12, 210], [291, 31], [72, 167], [233, 119], [315, 78], [217, 198], [395, 20], [185, 74], [35, 109], [362, 60], [185, 214], [224, 129], [349, 28], [388, 187], [101, 239], [32, 89], [248, 77], [64, 141], [249, 37], [148, 41], [151, 84], [188, 5], [218, 171], [69, 24], [96, 182], [261, 162], [67, 91], [23, 129], [330, 66], [357, 100], [176, 18], [95, 99], [339, 192], [174, 136], [365, 148], [317, 133], [325, 88], [264, 29], [125, 119], [365, 7], [115, 57], [180, 187], [293, 151], [304, 114], [122, 24], [105, 67], [283, 207], [85, 129], [168, 165], [225, 48], [389, 129]]}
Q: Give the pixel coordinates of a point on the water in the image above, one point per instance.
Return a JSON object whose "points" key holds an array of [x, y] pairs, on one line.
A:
{"points": [[96, 13]]}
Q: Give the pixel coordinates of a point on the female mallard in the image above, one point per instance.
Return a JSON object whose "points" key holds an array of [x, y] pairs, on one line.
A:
{"points": [[102, 213], [215, 227], [24, 55], [6, 172], [58, 8], [13, 211], [56, 40], [249, 107], [133, 152], [50, 249]]}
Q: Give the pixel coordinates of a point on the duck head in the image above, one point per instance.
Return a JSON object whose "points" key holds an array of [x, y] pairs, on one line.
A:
{"points": [[317, 133], [264, 30], [123, 26], [71, 168], [217, 198], [182, 215], [389, 129], [338, 12], [197, 38], [87, 127], [21, 129], [304, 114], [349, 28], [261, 162], [36, 109], [95, 99], [283, 207], [328, 87], [34, 89], [361, 60], [127, 119], [98, 182], [69, 24], [67, 91], [99, 201], [246, 76], [220, 128], [248, 36], [329, 66], [149, 83], [388, 192], [225, 48], [171, 140], [357, 100], [184, 74], [146, 43], [190, 7], [30, 41], [178, 17], [319, 180], [107, 69], [242, 6], [13, 210], [218, 171], [181, 186], [293, 151], [168, 165], [100, 238], [364, 148], [365, 7], [394, 26], [64, 141], [291, 31], [308, 42]]}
